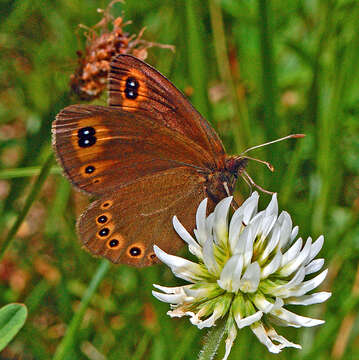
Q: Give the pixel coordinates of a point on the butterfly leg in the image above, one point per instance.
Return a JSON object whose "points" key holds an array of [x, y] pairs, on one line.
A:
{"points": [[251, 181], [233, 203], [225, 185]]}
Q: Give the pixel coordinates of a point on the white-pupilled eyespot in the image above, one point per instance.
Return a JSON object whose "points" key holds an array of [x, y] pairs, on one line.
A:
{"points": [[249, 269]]}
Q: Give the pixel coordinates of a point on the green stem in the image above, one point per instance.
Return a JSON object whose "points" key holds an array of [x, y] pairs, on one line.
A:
{"points": [[314, 90], [65, 346], [212, 341], [268, 70], [45, 170], [328, 127]]}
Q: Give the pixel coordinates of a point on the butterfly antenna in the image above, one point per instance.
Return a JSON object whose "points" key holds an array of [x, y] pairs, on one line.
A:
{"points": [[246, 176], [292, 136]]}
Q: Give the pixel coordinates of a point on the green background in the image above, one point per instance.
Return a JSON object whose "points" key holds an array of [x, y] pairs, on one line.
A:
{"points": [[257, 70]]}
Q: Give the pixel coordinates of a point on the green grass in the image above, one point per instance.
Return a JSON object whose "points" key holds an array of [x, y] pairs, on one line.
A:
{"points": [[271, 68]]}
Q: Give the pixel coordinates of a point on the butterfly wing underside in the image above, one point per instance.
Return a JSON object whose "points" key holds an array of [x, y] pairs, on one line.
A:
{"points": [[148, 157]]}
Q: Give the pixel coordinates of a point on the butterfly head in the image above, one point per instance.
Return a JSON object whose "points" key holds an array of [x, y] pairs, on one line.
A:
{"points": [[236, 165], [225, 180]]}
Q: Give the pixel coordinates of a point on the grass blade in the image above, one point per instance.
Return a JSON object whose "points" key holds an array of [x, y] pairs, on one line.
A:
{"points": [[268, 70], [7, 174], [196, 61]]}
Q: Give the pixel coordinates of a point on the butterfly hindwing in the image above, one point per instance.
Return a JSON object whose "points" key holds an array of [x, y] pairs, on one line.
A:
{"points": [[123, 226]]}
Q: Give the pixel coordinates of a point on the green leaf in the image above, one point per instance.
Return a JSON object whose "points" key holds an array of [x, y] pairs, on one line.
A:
{"points": [[12, 319]]}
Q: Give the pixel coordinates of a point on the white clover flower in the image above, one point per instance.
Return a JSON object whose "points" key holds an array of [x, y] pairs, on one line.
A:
{"points": [[248, 270]]}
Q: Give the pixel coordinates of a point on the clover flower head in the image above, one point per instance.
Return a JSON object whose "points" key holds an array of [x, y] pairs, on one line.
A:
{"points": [[248, 270]]}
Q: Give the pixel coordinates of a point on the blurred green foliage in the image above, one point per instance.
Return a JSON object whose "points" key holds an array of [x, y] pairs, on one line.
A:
{"points": [[12, 319], [257, 69]]}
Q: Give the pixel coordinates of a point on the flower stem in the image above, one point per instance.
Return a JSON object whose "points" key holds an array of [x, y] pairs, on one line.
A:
{"points": [[212, 341]]}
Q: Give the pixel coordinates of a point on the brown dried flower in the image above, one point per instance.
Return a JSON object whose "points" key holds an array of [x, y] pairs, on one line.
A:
{"points": [[90, 79]]}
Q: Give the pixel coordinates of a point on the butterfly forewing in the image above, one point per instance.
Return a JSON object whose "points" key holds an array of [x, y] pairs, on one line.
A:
{"points": [[139, 88], [102, 148]]}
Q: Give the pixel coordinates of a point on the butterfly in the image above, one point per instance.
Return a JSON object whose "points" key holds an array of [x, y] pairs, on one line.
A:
{"points": [[147, 156]]}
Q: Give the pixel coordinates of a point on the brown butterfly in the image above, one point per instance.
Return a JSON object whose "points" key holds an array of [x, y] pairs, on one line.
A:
{"points": [[148, 156]]}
